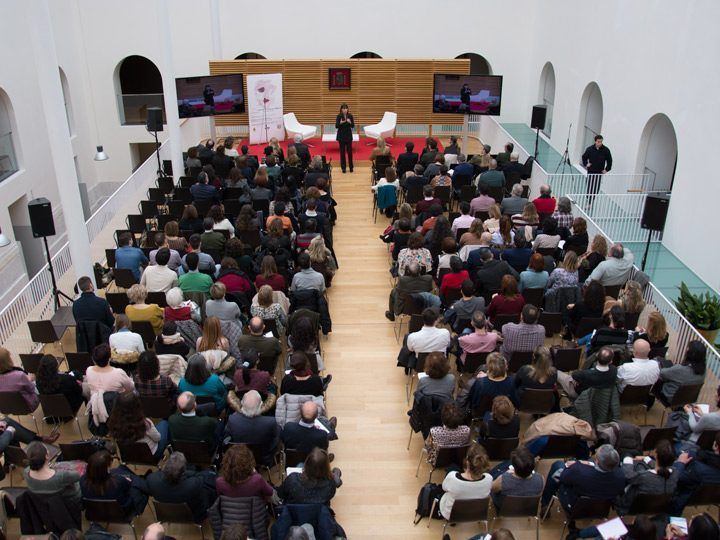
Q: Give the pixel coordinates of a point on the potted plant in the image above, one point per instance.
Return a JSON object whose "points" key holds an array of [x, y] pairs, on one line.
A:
{"points": [[702, 310]]}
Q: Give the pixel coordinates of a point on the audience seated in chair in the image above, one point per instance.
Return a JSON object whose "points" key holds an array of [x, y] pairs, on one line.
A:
{"points": [[525, 336], [193, 280], [690, 371], [521, 481], [540, 375], [602, 375], [49, 380], [89, 307], [464, 308], [307, 433], [199, 381], [452, 433], [616, 269], [501, 422], [159, 277], [429, 338], [473, 482], [174, 483], [250, 427], [119, 484], [129, 257], [315, 485], [437, 379], [187, 425], [149, 382], [493, 382], [238, 477]]}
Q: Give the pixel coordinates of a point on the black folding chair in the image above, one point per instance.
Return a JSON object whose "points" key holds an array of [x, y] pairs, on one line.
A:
{"points": [[146, 331], [566, 359], [519, 507], [12, 403], [79, 361], [499, 449], [31, 361], [636, 396], [108, 511], [179, 513], [56, 408], [536, 401]]}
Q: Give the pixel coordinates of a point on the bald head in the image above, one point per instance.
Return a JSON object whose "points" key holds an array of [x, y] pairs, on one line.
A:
{"points": [[641, 349], [309, 412], [493, 164], [256, 326], [413, 269], [485, 239], [154, 531], [186, 402], [251, 404], [545, 189]]}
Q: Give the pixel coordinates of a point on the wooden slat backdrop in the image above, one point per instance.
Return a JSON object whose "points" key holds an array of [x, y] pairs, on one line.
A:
{"points": [[377, 85]]}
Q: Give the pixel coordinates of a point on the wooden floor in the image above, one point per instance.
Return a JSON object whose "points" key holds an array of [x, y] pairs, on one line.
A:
{"points": [[367, 394]]}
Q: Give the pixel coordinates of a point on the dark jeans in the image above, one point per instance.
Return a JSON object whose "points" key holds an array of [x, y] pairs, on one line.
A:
{"points": [[346, 148], [552, 486]]}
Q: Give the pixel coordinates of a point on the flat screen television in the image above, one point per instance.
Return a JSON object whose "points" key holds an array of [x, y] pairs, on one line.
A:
{"points": [[210, 95], [472, 94]]}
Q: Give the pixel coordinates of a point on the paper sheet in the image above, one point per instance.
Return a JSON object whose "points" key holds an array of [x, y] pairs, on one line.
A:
{"points": [[614, 528]]}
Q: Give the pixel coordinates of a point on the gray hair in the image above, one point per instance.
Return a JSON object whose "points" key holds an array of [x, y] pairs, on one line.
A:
{"points": [[478, 319], [251, 404], [514, 156], [493, 164], [607, 457], [461, 158], [297, 532], [517, 190], [298, 138], [564, 205], [174, 468], [418, 169], [617, 251], [545, 189], [174, 297]]}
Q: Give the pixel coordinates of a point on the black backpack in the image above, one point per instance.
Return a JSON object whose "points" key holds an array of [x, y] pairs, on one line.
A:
{"points": [[428, 493]]}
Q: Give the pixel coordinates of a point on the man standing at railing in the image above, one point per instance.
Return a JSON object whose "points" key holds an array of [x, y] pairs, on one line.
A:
{"points": [[597, 159]]}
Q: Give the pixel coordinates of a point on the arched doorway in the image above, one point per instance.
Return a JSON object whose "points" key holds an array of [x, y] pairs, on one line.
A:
{"points": [[250, 56], [546, 94], [478, 63], [8, 158], [591, 116], [658, 152], [139, 85], [366, 54]]}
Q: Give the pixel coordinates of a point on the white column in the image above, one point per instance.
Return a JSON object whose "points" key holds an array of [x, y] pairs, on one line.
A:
{"points": [[216, 35], [169, 91], [51, 98]]}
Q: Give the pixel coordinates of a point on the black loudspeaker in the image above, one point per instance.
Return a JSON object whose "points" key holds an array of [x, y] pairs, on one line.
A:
{"points": [[655, 212], [41, 218], [155, 119], [538, 117]]}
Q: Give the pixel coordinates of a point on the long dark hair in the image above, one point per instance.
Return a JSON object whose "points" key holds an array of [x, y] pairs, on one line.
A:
{"points": [[303, 335], [127, 420], [197, 372], [317, 466], [97, 474], [594, 296], [441, 230], [148, 366], [47, 378], [695, 357]]}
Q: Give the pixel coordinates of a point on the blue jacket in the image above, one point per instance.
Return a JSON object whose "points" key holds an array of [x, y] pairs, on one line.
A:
{"points": [[130, 258], [92, 308], [386, 196]]}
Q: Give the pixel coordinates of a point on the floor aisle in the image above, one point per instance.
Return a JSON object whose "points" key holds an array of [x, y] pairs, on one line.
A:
{"points": [[367, 393]]}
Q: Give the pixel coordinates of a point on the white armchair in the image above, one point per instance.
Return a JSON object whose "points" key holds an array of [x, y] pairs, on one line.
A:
{"points": [[384, 129], [294, 127]]}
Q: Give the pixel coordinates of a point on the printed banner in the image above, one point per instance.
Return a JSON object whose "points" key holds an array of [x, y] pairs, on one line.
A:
{"points": [[265, 107]]}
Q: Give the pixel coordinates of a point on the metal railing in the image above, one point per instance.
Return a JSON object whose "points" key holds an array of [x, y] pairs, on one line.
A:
{"points": [[610, 183], [680, 329], [618, 215], [34, 301]]}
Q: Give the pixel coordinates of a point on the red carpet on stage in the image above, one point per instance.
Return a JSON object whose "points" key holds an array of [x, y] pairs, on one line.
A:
{"points": [[361, 149]]}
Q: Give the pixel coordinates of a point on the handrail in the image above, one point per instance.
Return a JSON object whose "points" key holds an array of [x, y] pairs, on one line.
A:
{"points": [[683, 331], [34, 299]]}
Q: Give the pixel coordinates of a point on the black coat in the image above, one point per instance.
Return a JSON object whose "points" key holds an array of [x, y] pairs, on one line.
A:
{"points": [[40, 514], [302, 438], [406, 162], [344, 129], [92, 308], [303, 152]]}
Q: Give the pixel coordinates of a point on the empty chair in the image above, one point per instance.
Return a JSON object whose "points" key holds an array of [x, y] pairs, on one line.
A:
{"points": [[294, 127], [500, 449], [473, 361], [503, 319], [77, 450], [292, 457], [156, 407], [520, 507], [136, 223], [385, 128], [534, 296], [650, 504], [446, 456], [45, 332], [14, 403], [78, 361], [519, 359], [636, 396], [145, 329], [466, 511], [685, 394], [30, 361], [175, 513], [552, 322], [136, 453], [535, 401], [652, 435], [587, 508], [56, 408], [124, 278], [108, 511], [566, 359]]}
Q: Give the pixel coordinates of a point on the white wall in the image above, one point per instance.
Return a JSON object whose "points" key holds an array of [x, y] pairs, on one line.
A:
{"points": [[645, 61]]}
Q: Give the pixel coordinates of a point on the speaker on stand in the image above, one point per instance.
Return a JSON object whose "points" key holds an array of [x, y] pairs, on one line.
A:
{"points": [[653, 218], [154, 124], [537, 122], [42, 225]]}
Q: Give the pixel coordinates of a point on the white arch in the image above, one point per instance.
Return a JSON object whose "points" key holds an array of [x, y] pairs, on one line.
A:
{"points": [[591, 116], [68, 102], [9, 162], [658, 152], [546, 94]]}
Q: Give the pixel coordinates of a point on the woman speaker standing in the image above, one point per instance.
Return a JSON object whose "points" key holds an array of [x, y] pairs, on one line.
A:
{"points": [[344, 123]]}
